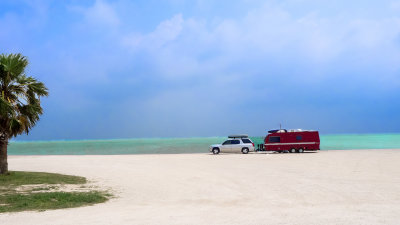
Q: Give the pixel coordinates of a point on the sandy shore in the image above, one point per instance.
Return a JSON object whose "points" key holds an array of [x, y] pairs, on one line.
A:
{"points": [[328, 187]]}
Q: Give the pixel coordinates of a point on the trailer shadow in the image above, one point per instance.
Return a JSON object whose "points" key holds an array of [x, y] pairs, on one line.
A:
{"points": [[263, 152], [280, 153]]}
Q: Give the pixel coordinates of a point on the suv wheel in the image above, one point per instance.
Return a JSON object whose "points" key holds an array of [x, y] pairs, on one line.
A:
{"points": [[215, 151], [245, 150], [292, 150]]}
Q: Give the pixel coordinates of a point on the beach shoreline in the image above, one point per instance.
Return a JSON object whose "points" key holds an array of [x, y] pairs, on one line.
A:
{"points": [[206, 152], [327, 187]]}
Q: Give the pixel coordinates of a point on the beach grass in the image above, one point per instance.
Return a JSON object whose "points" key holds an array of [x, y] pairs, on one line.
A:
{"points": [[23, 191], [29, 178]]}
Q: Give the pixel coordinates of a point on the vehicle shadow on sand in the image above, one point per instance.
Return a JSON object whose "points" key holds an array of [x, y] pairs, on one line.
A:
{"points": [[263, 153]]}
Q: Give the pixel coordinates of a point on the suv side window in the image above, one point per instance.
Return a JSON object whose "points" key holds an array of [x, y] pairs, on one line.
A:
{"points": [[227, 142], [235, 142], [274, 139], [246, 141]]}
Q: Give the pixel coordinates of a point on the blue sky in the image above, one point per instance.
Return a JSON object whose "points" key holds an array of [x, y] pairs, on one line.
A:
{"points": [[174, 68]]}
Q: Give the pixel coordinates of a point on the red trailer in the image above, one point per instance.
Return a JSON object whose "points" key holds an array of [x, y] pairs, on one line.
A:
{"points": [[291, 140]]}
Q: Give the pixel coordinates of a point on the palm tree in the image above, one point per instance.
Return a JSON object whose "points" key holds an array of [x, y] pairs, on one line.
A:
{"points": [[19, 101]]}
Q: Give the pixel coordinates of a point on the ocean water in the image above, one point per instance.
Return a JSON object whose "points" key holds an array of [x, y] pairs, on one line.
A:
{"points": [[184, 145]]}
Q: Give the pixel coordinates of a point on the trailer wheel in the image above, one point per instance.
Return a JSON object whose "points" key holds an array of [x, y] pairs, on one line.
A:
{"points": [[215, 151], [245, 150], [292, 150], [301, 150]]}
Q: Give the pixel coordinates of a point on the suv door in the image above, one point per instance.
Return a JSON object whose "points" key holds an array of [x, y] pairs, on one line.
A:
{"points": [[226, 146], [236, 146]]}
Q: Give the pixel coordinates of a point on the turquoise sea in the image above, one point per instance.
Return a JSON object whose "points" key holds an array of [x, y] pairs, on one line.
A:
{"points": [[183, 145]]}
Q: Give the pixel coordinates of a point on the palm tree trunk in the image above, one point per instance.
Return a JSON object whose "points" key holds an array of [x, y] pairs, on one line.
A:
{"points": [[3, 156]]}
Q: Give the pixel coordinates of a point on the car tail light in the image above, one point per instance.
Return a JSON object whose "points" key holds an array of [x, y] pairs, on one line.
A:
{"points": [[253, 144]]}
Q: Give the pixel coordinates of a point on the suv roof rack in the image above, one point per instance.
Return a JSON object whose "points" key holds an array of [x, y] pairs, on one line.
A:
{"points": [[239, 136]]}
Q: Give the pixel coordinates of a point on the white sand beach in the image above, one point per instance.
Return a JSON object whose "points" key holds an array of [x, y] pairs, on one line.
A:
{"points": [[328, 187]]}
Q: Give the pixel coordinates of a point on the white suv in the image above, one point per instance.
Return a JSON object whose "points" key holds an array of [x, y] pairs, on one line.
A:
{"points": [[235, 143]]}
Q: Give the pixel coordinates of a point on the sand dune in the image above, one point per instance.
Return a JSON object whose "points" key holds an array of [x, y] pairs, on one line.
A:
{"points": [[328, 187]]}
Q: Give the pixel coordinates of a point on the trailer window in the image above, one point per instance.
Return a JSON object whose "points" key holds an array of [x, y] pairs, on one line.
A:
{"points": [[235, 142], [299, 137], [246, 141], [274, 139]]}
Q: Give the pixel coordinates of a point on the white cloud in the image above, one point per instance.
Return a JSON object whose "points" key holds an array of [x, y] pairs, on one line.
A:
{"points": [[189, 47], [395, 5], [165, 32], [101, 13]]}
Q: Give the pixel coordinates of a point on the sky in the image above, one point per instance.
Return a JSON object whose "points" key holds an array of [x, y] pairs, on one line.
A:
{"points": [[202, 68]]}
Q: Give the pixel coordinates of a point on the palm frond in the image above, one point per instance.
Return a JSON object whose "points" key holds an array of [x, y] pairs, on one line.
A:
{"points": [[5, 108], [13, 64], [19, 96]]}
